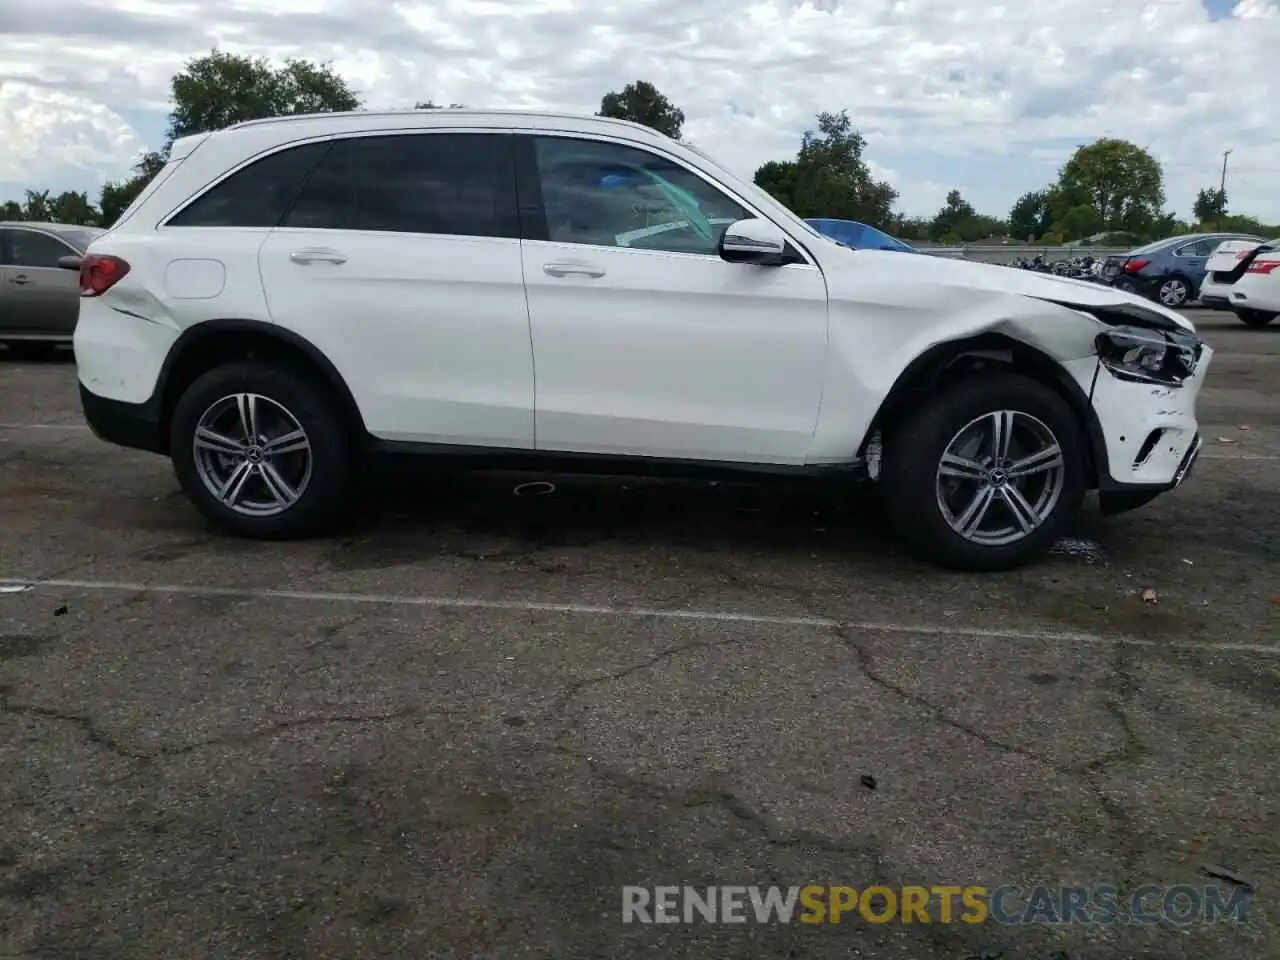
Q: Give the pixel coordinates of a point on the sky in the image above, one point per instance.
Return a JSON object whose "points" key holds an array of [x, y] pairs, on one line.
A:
{"points": [[984, 96]]}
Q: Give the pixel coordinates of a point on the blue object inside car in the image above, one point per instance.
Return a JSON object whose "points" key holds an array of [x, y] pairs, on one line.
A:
{"points": [[854, 234]]}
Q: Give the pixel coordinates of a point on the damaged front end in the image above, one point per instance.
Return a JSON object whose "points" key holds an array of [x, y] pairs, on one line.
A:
{"points": [[1150, 367]]}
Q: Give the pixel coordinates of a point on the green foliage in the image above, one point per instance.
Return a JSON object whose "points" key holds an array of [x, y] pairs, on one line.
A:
{"points": [[38, 205], [432, 105], [642, 102], [1030, 216], [221, 89], [829, 177], [1210, 204], [1121, 182]]}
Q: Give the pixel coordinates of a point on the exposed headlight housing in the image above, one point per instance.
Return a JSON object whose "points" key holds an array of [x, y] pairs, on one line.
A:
{"points": [[1149, 356]]}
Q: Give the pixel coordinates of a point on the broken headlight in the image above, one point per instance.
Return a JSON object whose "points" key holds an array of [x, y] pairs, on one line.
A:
{"points": [[1149, 356]]}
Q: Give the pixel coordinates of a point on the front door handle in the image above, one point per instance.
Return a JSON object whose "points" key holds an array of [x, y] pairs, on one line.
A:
{"points": [[565, 268], [20, 279], [317, 255]]}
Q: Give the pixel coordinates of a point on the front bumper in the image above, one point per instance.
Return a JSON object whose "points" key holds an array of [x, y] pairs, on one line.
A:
{"points": [[1149, 431]]}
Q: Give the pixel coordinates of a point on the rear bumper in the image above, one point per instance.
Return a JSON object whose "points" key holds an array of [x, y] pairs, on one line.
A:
{"points": [[133, 425], [1214, 301]]}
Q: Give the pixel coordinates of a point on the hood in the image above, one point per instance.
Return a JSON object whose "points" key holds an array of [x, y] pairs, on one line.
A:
{"points": [[1096, 299]]}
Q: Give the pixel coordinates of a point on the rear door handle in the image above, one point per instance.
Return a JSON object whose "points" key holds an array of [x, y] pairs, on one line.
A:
{"points": [[317, 255], [20, 279], [565, 268]]}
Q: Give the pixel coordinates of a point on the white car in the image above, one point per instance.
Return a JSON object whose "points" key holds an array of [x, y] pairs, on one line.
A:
{"points": [[290, 297], [1244, 277]]}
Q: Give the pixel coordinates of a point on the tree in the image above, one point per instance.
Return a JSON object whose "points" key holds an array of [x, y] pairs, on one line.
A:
{"points": [[1079, 222], [36, 206], [953, 212], [1210, 204], [642, 102], [829, 177], [72, 207], [1121, 182], [116, 197], [1031, 215], [220, 89], [11, 210]]}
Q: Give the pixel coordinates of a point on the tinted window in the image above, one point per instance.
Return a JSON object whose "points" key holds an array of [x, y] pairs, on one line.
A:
{"points": [[27, 248], [256, 196], [614, 196], [458, 184]]}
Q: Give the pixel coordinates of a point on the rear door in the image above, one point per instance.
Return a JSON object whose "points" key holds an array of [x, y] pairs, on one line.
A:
{"points": [[400, 261], [39, 298]]}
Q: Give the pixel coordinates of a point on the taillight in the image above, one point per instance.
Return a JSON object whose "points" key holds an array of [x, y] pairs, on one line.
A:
{"points": [[99, 273], [1263, 266], [1133, 266]]}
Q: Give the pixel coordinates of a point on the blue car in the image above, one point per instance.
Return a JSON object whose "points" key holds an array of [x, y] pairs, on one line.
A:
{"points": [[854, 234], [1170, 271]]}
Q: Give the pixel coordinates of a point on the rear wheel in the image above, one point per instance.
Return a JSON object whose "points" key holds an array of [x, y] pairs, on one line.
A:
{"points": [[1174, 292], [262, 452], [986, 474], [1256, 318]]}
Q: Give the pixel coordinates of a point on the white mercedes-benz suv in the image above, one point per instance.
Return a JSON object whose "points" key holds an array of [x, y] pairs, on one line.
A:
{"points": [[290, 298]]}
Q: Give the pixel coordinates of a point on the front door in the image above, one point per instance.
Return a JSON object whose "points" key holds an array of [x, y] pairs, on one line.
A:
{"points": [[645, 341]]}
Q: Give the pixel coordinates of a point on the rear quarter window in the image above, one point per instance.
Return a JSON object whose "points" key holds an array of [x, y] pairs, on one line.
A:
{"points": [[258, 195]]}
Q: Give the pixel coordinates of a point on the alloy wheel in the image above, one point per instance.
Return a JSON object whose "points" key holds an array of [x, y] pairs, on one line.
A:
{"points": [[252, 455], [1174, 293], [1000, 478]]}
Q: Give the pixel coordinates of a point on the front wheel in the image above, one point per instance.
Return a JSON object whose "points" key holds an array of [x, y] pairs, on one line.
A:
{"points": [[1256, 318], [262, 452], [986, 474]]}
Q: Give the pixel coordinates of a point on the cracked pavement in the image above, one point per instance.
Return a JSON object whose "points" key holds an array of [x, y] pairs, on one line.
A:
{"points": [[375, 771]]}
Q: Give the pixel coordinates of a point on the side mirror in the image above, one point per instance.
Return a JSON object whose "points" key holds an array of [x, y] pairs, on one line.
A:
{"points": [[754, 241], [70, 262]]}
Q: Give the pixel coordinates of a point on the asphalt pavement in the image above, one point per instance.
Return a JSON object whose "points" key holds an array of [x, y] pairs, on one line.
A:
{"points": [[460, 728]]}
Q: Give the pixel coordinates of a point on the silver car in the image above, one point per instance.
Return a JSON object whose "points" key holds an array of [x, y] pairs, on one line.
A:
{"points": [[39, 299]]}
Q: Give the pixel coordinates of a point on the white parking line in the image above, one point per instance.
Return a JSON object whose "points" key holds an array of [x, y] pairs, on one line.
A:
{"points": [[660, 613]]}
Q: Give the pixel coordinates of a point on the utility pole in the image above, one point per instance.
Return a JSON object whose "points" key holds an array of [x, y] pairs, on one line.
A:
{"points": [[1222, 190]]}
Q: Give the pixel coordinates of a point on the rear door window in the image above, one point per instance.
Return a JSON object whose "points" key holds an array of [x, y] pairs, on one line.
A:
{"points": [[257, 195], [453, 184]]}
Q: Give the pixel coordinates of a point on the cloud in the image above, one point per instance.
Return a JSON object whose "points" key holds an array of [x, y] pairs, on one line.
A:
{"points": [[982, 97], [49, 134]]}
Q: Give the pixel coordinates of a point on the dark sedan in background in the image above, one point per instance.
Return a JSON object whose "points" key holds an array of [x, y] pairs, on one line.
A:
{"points": [[39, 301], [1171, 270]]}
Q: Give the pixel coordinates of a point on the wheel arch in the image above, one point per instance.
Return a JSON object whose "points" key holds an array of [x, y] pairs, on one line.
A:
{"points": [[213, 343], [972, 356]]}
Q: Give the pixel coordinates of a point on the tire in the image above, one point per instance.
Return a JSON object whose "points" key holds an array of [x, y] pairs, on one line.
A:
{"points": [[1256, 318], [913, 454], [1174, 292], [286, 401]]}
